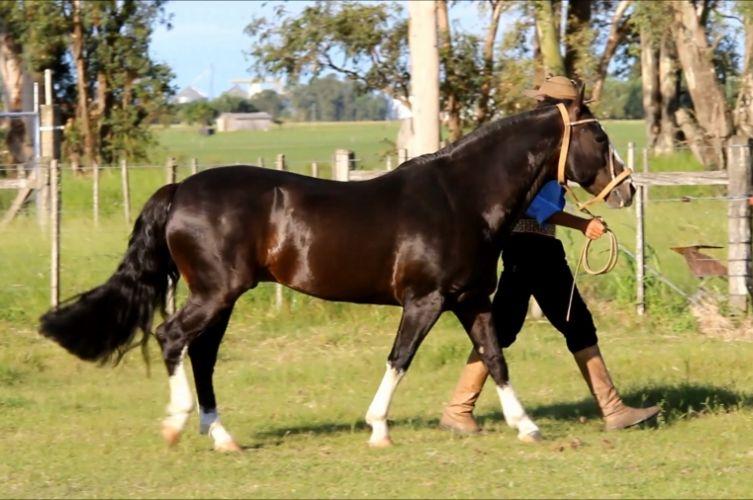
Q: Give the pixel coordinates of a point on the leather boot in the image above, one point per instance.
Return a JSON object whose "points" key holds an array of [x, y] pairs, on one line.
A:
{"points": [[458, 414], [617, 415]]}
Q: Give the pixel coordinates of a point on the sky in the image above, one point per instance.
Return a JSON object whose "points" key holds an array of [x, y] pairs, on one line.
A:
{"points": [[207, 38]]}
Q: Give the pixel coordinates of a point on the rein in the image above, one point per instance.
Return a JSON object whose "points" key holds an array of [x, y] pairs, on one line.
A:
{"points": [[583, 260]]}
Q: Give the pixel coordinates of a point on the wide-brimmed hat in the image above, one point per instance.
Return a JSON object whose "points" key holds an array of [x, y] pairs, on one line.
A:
{"points": [[556, 87]]}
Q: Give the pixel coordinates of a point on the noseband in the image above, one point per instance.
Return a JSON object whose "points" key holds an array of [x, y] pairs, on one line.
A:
{"points": [[616, 179]]}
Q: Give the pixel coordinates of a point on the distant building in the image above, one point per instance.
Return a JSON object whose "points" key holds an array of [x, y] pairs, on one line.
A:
{"points": [[236, 91], [229, 122], [189, 94]]}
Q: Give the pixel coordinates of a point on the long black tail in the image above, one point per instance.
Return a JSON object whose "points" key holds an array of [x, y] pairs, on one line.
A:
{"points": [[102, 322]]}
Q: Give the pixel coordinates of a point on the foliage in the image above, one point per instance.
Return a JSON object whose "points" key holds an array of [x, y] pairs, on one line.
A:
{"points": [[270, 101], [367, 43], [620, 99], [329, 99], [227, 103], [126, 88], [197, 112]]}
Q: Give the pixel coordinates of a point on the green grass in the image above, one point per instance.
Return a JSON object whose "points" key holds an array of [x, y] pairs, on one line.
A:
{"points": [[293, 385]]}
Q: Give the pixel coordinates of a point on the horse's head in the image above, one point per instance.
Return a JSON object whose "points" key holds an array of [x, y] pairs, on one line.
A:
{"points": [[592, 161]]}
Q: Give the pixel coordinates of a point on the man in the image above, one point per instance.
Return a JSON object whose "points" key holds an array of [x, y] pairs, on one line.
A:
{"points": [[535, 265]]}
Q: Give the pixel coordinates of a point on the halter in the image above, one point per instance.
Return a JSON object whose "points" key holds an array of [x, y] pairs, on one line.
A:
{"points": [[616, 178]]}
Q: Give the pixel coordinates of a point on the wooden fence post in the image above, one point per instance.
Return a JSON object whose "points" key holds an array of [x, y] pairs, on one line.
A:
{"points": [[738, 217], [640, 258], [171, 168], [194, 166], [402, 156], [280, 163], [388, 163], [95, 192], [314, 169], [126, 190], [342, 164], [54, 233], [260, 162]]}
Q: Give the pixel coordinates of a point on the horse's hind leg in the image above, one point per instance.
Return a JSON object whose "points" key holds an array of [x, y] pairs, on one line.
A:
{"points": [[419, 315], [174, 336], [475, 315], [203, 353]]}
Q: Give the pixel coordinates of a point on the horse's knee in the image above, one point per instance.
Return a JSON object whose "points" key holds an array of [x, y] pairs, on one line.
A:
{"points": [[497, 367]]}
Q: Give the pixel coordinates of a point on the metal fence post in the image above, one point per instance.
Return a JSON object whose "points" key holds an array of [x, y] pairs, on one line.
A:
{"points": [[126, 188], [95, 192], [640, 258], [54, 233]]}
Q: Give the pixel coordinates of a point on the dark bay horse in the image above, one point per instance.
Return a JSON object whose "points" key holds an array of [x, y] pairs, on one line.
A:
{"points": [[426, 237]]}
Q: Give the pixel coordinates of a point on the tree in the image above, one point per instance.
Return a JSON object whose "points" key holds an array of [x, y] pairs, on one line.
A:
{"points": [[329, 99], [548, 38], [270, 101], [368, 45], [228, 103], [365, 43], [32, 38], [689, 62]]}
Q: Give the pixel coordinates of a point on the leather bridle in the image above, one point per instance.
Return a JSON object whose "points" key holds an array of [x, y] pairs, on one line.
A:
{"points": [[561, 178]]}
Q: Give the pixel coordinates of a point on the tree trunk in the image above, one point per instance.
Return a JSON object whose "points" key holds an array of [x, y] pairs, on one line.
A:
{"points": [[17, 95], [696, 138], [82, 105], [651, 93], [695, 56], [743, 114], [616, 35], [669, 81], [482, 106], [548, 39], [578, 19], [452, 106]]}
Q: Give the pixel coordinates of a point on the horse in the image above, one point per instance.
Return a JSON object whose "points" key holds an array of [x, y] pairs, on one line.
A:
{"points": [[425, 236]]}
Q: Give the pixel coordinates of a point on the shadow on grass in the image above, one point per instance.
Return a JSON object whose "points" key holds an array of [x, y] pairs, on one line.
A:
{"points": [[678, 402]]}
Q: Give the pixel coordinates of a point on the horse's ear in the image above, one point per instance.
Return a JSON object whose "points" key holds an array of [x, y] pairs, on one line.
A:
{"points": [[577, 104]]}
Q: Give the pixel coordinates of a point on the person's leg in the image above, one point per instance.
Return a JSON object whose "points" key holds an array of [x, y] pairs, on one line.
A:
{"points": [[551, 285], [509, 312]]}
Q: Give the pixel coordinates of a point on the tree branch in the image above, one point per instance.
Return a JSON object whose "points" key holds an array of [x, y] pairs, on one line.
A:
{"points": [[617, 33]]}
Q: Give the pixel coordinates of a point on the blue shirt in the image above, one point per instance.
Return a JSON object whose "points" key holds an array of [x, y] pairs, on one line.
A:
{"points": [[548, 201]]}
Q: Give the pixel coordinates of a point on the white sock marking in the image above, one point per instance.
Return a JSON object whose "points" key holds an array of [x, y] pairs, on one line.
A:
{"points": [[515, 415], [181, 400], [209, 423], [376, 416]]}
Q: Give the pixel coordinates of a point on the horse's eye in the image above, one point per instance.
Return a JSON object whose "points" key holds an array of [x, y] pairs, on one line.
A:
{"points": [[601, 138]]}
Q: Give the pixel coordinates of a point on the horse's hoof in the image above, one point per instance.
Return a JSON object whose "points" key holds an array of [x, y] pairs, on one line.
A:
{"points": [[170, 434], [531, 437], [227, 447], [384, 442]]}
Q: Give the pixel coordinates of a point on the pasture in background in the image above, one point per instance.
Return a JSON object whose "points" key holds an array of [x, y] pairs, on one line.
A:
{"points": [[295, 383]]}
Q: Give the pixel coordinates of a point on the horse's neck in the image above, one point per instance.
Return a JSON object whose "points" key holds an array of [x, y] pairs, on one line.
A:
{"points": [[501, 173]]}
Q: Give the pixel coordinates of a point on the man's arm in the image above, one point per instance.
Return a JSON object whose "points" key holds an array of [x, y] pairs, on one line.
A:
{"points": [[592, 228]]}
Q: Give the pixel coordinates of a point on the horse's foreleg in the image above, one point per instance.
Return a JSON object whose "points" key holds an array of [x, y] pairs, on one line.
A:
{"points": [[476, 317], [174, 337], [203, 353], [419, 315]]}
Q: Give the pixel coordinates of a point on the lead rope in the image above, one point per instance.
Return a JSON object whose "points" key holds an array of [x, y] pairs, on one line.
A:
{"points": [[583, 260]]}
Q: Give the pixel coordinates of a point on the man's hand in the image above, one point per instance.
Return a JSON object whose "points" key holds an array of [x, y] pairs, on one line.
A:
{"points": [[594, 229]]}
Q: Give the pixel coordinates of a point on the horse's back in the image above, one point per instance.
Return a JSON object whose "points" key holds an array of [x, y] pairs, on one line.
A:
{"points": [[331, 239]]}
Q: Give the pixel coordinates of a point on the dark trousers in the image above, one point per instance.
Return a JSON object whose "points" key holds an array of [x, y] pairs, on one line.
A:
{"points": [[536, 265]]}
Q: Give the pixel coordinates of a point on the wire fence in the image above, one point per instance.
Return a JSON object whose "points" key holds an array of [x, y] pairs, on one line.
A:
{"points": [[95, 223]]}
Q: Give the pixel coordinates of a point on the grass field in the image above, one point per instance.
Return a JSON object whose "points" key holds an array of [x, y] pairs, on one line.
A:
{"points": [[294, 385]]}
